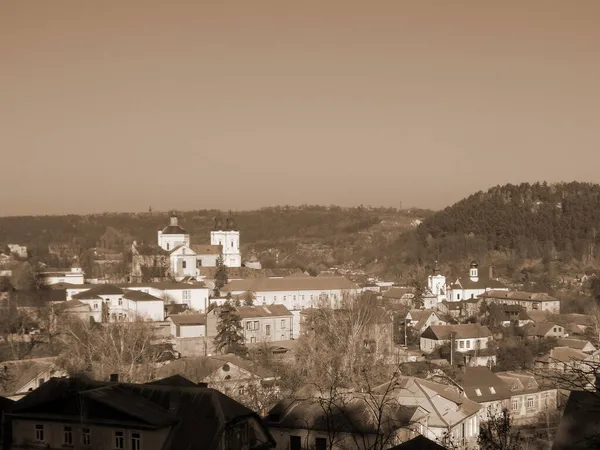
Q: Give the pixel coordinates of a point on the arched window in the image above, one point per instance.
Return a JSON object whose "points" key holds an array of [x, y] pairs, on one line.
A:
{"points": [[167, 246]]}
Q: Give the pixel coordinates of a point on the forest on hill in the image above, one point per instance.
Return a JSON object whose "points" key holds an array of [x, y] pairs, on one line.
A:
{"points": [[540, 221], [282, 235]]}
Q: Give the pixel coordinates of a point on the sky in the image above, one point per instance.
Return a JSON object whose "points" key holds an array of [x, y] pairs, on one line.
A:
{"points": [[195, 104]]}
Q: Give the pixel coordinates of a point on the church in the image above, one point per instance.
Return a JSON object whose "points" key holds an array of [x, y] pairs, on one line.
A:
{"points": [[179, 258]]}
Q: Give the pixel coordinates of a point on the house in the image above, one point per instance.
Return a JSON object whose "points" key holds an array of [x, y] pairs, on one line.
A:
{"points": [[347, 421], [49, 276], [467, 337], [528, 398], [579, 427], [236, 377], [472, 286], [577, 344], [462, 308], [116, 303], [161, 415], [21, 377], [481, 385], [544, 330], [194, 295], [294, 292], [187, 325], [259, 323], [561, 359], [79, 309], [19, 250], [507, 315], [577, 324], [531, 301], [399, 296], [450, 412], [420, 319]]}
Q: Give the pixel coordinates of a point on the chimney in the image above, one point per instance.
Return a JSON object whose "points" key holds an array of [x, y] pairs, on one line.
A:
{"points": [[173, 220], [114, 377]]}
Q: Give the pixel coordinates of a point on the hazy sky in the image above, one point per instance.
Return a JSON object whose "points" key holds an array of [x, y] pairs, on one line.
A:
{"points": [[115, 105]]}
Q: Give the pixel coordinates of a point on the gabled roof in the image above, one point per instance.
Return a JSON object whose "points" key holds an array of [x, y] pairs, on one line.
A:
{"points": [[462, 331], [200, 368], [207, 249], [290, 284], [398, 292], [563, 355], [196, 420], [140, 296], [578, 319], [188, 319], [17, 374], [519, 382], [540, 329], [577, 344], [482, 385], [70, 305], [519, 295], [247, 312], [98, 290], [419, 442]]}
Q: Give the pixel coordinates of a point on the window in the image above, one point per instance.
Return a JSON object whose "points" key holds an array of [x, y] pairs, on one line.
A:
{"points": [[167, 246], [248, 325], [284, 299], [283, 337], [530, 402], [295, 443], [268, 330], [468, 343], [68, 435], [231, 244], [95, 305], [492, 390], [186, 295], [274, 298], [461, 344], [294, 297], [283, 324], [320, 444], [120, 302], [40, 381], [515, 404], [478, 392], [534, 306], [183, 264], [256, 325], [252, 340], [39, 433], [241, 390], [457, 296], [119, 440], [86, 437], [136, 440], [303, 297]]}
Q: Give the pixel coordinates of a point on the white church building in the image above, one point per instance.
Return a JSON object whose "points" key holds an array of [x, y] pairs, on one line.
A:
{"points": [[185, 258]]}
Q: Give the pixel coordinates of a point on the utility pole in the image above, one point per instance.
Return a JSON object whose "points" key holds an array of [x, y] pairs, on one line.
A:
{"points": [[405, 339], [452, 349]]}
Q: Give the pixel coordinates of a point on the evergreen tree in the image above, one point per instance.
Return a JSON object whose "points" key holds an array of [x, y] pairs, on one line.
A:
{"points": [[229, 338], [221, 276]]}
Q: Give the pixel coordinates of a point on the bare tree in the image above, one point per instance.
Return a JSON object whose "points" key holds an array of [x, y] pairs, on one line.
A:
{"points": [[498, 433]]}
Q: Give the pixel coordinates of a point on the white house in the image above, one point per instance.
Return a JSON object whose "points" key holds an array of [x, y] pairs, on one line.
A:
{"points": [[182, 261], [467, 337], [195, 296], [472, 286], [530, 301], [187, 325], [420, 319], [122, 304], [294, 292], [74, 275]]}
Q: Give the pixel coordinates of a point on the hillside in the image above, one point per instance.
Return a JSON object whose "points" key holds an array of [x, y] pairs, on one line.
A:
{"points": [[307, 236], [551, 222]]}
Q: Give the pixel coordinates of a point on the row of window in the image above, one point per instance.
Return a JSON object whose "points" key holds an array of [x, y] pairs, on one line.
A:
{"points": [[255, 325], [135, 437], [529, 403], [301, 297]]}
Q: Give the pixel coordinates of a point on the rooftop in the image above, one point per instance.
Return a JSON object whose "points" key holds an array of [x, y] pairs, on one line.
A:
{"points": [[462, 331]]}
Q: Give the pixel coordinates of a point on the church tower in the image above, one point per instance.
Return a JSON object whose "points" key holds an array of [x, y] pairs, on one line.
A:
{"points": [[226, 234]]}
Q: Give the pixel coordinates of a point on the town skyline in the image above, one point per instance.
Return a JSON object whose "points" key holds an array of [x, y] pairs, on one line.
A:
{"points": [[245, 105]]}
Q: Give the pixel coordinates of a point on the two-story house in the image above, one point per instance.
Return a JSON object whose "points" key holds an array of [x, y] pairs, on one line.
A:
{"points": [[466, 337], [20, 377], [528, 399], [544, 330], [420, 319], [164, 414], [187, 325], [531, 301]]}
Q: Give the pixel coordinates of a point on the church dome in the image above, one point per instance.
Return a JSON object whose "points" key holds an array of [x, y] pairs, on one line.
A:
{"points": [[174, 227]]}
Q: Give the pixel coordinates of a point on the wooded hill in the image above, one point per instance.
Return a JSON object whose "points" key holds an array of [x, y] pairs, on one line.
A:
{"points": [[527, 221]]}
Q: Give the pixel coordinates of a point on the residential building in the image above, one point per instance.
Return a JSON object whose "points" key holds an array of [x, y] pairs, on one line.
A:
{"points": [[467, 337], [419, 442], [164, 414], [528, 399], [481, 385], [187, 325], [118, 304], [461, 308], [294, 292], [450, 413], [399, 296], [472, 286], [350, 421], [74, 275], [577, 324], [562, 359], [259, 323], [577, 344], [544, 330], [195, 296], [20, 377], [420, 319], [499, 314], [531, 301], [76, 308]]}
